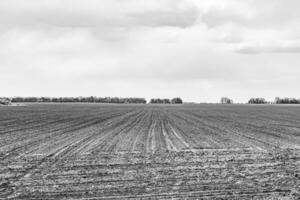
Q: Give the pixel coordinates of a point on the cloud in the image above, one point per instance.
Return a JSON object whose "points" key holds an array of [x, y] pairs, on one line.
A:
{"points": [[149, 48], [101, 14], [176, 18], [276, 47], [253, 26], [250, 13], [215, 17]]}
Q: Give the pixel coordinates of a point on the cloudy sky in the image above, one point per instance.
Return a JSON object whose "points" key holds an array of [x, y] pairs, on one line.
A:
{"points": [[198, 50]]}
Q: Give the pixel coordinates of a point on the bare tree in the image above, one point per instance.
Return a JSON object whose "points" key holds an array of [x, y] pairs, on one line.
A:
{"points": [[226, 100]]}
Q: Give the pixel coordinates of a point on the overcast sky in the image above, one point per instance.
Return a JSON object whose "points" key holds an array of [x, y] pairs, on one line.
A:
{"points": [[198, 50]]}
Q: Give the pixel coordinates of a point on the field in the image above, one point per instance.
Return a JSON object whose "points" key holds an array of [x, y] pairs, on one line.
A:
{"points": [[96, 151]]}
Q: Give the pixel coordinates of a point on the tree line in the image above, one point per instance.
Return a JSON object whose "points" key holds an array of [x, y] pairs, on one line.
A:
{"points": [[287, 101], [133, 100], [257, 101], [176, 100], [92, 99], [278, 100]]}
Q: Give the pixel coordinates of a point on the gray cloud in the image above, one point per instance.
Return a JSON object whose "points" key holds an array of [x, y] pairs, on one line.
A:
{"points": [[219, 16], [255, 27], [182, 19], [252, 13], [277, 47], [91, 13]]}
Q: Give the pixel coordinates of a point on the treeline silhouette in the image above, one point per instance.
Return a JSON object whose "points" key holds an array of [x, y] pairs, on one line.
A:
{"points": [[277, 100], [133, 100], [91, 99], [226, 100], [257, 101], [287, 101], [175, 100]]}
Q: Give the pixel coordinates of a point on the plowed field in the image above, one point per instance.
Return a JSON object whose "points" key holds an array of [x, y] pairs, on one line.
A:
{"points": [[94, 151]]}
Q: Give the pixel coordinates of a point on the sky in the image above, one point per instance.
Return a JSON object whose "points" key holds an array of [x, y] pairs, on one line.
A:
{"points": [[195, 49]]}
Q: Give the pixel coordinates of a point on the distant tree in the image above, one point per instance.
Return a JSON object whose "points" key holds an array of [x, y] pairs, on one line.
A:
{"points": [[286, 101], [277, 100], [160, 101], [76, 99], [152, 101], [226, 100], [44, 99], [257, 101], [30, 99], [91, 99], [55, 100], [166, 101], [5, 101], [176, 100], [136, 100], [17, 99], [66, 99]]}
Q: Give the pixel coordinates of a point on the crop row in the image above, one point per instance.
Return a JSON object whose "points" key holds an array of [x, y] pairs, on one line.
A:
{"points": [[99, 151]]}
